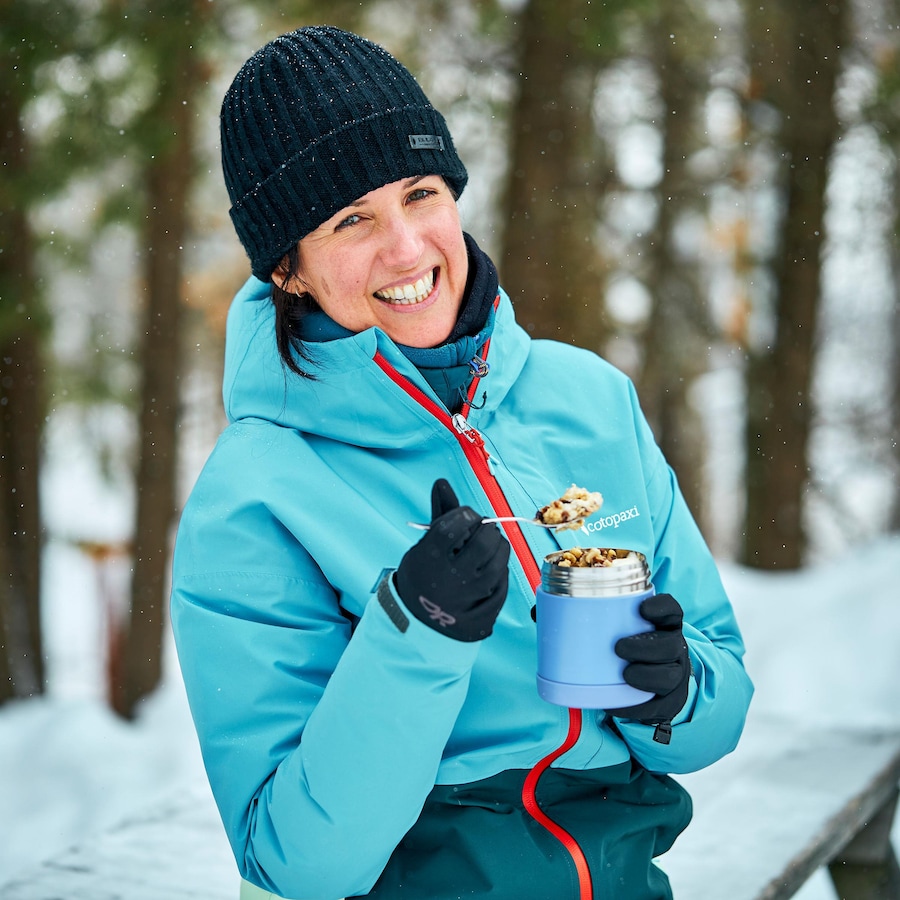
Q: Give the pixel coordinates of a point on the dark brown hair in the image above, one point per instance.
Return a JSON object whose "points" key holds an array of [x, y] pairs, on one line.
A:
{"points": [[289, 312]]}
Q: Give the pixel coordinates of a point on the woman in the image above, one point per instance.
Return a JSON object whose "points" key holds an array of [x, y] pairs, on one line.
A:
{"points": [[365, 693]]}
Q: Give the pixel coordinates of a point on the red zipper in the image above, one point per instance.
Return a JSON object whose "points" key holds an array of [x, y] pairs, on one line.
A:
{"points": [[476, 453]]}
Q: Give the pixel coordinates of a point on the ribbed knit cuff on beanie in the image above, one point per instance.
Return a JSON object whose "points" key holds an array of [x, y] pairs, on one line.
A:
{"points": [[313, 121]]}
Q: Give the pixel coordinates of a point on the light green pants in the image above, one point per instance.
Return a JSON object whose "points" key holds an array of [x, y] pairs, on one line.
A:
{"points": [[251, 892]]}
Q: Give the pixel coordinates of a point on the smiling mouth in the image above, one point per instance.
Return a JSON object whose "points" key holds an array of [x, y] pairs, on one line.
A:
{"points": [[408, 294]]}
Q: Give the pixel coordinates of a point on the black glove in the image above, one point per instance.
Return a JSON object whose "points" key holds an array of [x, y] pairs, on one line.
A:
{"points": [[455, 578], [658, 662]]}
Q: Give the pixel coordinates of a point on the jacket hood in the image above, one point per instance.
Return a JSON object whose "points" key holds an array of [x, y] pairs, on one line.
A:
{"points": [[351, 399]]}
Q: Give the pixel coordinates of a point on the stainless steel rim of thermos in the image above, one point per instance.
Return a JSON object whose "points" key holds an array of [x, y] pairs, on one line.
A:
{"points": [[628, 575]]}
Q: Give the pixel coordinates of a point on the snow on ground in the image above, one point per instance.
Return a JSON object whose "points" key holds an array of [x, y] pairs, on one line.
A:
{"points": [[822, 647]]}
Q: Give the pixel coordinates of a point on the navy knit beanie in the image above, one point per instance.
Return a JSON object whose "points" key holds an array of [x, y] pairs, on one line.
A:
{"points": [[313, 121]]}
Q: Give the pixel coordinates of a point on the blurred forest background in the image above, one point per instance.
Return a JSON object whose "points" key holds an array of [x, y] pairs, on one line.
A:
{"points": [[703, 192]]}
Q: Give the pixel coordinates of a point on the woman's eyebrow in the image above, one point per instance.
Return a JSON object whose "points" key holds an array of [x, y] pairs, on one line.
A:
{"points": [[406, 184]]}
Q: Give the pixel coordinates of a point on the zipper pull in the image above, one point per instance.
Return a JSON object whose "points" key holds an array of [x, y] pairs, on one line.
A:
{"points": [[469, 433], [480, 367]]}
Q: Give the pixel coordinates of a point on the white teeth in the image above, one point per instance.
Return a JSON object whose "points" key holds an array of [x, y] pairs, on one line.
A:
{"points": [[409, 294]]}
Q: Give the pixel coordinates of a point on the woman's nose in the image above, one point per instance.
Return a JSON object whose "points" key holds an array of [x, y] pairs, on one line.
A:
{"points": [[402, 246]]}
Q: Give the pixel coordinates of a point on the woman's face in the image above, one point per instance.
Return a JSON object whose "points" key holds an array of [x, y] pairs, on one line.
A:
{"points": [[395, 259]]}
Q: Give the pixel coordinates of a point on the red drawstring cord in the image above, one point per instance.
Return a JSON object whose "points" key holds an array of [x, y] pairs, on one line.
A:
{"points": [[586, 891]]}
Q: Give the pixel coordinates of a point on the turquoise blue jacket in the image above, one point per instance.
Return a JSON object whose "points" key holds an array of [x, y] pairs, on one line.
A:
{"points": [[323, 726]]}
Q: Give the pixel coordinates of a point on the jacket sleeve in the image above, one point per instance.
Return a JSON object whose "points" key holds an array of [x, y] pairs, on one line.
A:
{"points": [[710, 724], [320, 747]]}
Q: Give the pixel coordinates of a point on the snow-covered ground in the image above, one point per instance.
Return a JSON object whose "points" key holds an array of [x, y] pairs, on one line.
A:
{"points": [[822, 648]]}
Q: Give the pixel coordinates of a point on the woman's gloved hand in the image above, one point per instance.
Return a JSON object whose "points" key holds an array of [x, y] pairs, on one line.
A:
{"points": [[658, 662], [455, 578]]}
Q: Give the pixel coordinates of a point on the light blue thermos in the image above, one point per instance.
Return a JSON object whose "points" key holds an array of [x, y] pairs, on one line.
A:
{"points": [[581, 612]]}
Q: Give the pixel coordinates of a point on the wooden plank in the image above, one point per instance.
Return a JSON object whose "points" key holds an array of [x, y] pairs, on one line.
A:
{"points": [[867, 868], [177, 851], [867, 881], [783, 804], [873, 844]]}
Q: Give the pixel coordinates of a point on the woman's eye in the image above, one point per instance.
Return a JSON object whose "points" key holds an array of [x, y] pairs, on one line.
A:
{"points": [[420, 194], [347, 222]]}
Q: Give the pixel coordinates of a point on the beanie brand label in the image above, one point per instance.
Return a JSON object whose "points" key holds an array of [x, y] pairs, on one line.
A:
{"points": [[426, 142]]}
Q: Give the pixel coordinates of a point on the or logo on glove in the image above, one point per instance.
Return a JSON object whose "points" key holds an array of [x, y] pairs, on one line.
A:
{"points": [[436, 613], [456, 577]]}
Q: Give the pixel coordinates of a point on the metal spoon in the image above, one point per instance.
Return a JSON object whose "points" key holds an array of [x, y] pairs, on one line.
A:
{"points": [[538, 522]]}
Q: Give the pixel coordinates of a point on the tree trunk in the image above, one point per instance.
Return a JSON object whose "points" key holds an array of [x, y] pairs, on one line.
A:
{"points": [[21, 418], [796, 44], [548, 261], [678, 333], [168, 180]]}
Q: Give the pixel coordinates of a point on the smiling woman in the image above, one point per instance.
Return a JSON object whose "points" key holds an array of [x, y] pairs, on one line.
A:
{"points": [[365, 694]]}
